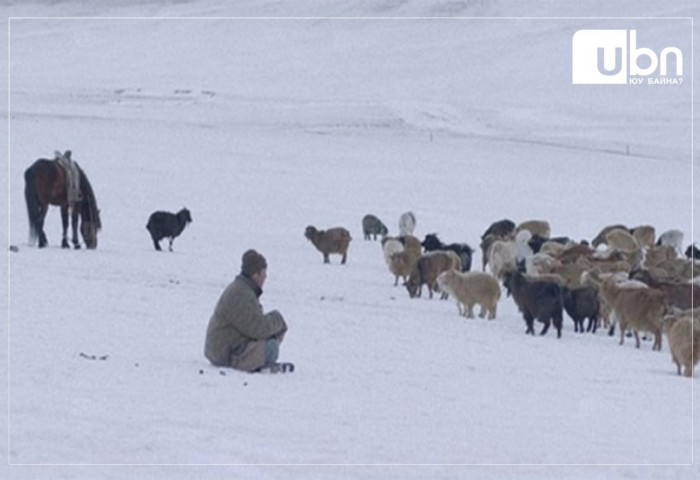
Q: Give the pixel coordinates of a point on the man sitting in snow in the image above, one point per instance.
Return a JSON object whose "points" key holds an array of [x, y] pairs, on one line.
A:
{"points": [[239, 335]]}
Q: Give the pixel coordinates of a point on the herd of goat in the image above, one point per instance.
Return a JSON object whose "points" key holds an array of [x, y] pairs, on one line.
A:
{"points": [[624, 276]]}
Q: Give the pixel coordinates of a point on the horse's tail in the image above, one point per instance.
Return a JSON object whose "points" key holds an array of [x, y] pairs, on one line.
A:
{"points": [[33, 205]]}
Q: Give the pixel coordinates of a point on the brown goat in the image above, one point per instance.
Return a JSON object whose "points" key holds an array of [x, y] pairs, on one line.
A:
{"points": [[681, 295], [412, 244], [572, 253], [427, 269], [603, 266], [333, 240], [678, 269]]}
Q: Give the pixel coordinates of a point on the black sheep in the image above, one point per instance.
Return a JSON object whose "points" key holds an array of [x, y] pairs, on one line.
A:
{"points": [[464, 251], [167, 225], [581, 303], [692, 252], [536, 299]]}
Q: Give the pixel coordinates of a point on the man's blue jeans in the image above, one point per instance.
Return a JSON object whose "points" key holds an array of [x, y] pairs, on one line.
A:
{"points": [[272, 351]]}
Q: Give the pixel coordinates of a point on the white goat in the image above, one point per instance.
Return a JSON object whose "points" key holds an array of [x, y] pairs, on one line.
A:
{"points": [[390, 246], [502, 257], [523, 251], [673, 238], [407, 224]]}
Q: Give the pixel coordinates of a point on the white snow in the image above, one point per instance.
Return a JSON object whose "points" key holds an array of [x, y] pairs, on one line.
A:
{"points": [[262, 126]]}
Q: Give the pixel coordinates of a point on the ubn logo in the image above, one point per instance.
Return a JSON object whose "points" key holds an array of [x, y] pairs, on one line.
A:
{"points": [[602, 56]]}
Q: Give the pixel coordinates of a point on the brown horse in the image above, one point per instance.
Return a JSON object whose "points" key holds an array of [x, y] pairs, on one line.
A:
{"points": [[45, 184]]}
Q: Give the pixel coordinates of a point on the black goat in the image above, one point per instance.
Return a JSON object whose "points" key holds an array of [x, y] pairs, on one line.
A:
{"points": [[581, 303], [536, 299], [167, 225], [371, 225], [537, 241], [464, 251], [500, 229]]}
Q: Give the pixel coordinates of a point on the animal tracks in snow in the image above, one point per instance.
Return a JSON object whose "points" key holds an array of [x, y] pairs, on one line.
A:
{"points": [[178, 95]]}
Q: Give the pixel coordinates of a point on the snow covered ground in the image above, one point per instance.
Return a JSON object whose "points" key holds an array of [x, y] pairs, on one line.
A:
{"points": [[263, 126]]}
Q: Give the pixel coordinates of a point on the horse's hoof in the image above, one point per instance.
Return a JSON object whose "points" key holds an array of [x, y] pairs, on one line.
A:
{"points": [[77, 247]]}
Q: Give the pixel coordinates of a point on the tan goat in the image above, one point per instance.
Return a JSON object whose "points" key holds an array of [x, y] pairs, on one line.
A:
{"points": [[487, 242], [645, 235], [470, 288], [600, 238], [412, 244], [401, 255], [553, 249], [570, 272], [572, 253], [683, 339], [641, 309], [535, 227], [621, 240], [595, 279], [402, 264]]}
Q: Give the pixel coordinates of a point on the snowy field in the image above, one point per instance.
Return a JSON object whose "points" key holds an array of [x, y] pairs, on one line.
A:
{"points": [[261, 127]]}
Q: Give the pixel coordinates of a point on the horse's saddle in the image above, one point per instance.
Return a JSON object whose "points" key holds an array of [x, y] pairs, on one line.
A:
{"points": [[72, 175]]}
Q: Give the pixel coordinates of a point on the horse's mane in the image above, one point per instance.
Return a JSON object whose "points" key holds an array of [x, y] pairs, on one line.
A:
{"points": [[90, 211]]}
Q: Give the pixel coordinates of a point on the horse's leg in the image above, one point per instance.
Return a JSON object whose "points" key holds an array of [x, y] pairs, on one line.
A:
{"points": [[64, 221], [74, 227], [40, 226]]}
